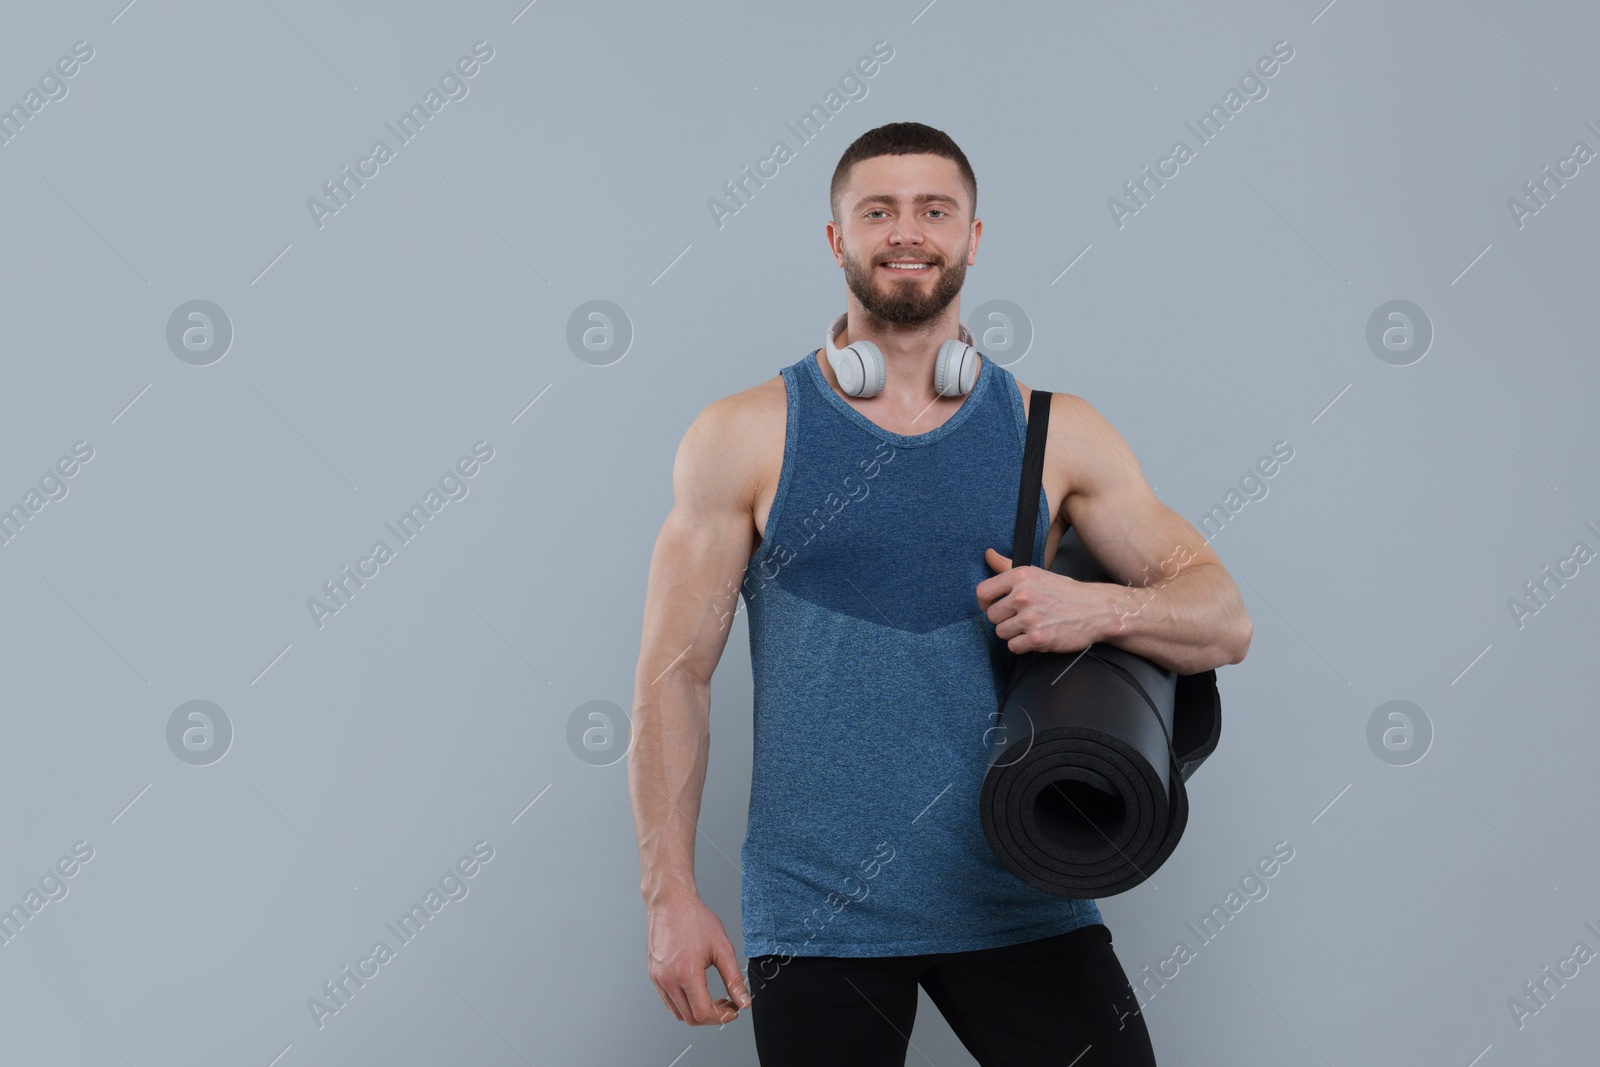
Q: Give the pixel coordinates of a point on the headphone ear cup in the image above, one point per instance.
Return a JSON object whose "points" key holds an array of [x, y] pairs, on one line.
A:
{"points": [[956, 368], [866, 371]]}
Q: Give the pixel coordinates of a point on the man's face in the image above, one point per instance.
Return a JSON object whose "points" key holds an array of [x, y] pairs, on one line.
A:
{"points": [[905, 209]]}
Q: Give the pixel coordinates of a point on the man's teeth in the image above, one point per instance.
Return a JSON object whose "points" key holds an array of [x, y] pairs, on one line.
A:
{"points": [[907, 266]]}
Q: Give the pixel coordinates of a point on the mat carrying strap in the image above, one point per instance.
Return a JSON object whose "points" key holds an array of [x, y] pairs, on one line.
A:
{"points": [[1197, 710]]}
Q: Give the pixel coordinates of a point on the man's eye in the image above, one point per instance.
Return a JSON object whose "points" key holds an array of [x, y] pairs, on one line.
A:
{"points": [[941, 210]]}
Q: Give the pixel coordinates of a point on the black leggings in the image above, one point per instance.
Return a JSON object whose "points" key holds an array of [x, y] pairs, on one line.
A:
{"points": [[1061, 1000]]}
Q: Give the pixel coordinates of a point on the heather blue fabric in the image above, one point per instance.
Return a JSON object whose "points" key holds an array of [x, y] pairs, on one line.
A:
{"points": [[877, 678]]}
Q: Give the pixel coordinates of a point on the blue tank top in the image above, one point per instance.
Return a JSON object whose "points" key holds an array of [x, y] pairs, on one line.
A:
{"points": [[878, 681]]}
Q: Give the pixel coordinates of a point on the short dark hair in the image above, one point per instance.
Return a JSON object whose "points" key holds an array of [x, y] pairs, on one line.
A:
{"points": [[900, 139]]}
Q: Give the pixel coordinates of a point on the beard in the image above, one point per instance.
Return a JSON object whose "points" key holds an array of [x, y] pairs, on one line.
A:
{"points": [[907, 302]]}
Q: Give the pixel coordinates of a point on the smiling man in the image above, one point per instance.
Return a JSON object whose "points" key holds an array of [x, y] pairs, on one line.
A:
{"points": [[858, 501]]}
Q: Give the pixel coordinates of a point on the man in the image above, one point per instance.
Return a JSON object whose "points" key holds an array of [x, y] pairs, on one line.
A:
{"points": [[864, 531]]}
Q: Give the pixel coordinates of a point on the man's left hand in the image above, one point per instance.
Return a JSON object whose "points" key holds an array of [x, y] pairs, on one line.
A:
{"points": [[1037, 610]]}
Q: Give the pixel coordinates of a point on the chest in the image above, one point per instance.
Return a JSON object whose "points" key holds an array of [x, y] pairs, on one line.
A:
{"points": [[855, 484]]}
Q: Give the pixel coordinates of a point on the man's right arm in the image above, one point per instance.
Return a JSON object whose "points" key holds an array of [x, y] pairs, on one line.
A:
{"points": [[695, 571]]}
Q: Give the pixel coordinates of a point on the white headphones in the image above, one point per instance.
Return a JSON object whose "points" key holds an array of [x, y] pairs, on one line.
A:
{"points": [[861, 372]]}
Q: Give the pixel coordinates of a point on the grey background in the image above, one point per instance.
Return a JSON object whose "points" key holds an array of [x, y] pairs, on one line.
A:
{"points": [[433, 711]]}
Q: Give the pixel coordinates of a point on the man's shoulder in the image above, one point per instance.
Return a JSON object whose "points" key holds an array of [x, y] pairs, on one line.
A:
{"points": [[1068, 411], [764, 397], [1077, 417], [1079, 439], [752, 410], [745, 429]]}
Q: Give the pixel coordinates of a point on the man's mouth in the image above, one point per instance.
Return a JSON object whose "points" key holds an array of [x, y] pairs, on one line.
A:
{"points": [[907, 266]]}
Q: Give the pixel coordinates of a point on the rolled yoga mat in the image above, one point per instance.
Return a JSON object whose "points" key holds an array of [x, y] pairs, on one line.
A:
{"points": [[1085, 794]]}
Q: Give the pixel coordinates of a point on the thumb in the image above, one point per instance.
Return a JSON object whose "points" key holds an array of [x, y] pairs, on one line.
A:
{"points": [[990, 556], [732, 980]]}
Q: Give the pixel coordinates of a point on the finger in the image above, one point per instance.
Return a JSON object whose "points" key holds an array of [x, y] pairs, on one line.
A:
{"points": [[991, 589], [1022, 640], [1004, 583], [1001, 610], [725, 1009], [995, 562], [668, 1002], [679, 997], [700, 1009], [732, 979]]}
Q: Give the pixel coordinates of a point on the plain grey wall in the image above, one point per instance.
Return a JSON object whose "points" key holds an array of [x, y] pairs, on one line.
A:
{"points": [[437, 711]]}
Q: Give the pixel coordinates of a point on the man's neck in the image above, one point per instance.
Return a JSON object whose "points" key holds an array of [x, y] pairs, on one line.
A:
{"points": [[903, 344]]}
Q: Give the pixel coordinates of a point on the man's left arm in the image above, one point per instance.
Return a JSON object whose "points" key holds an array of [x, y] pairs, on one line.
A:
{"points": [[1177, 606]]}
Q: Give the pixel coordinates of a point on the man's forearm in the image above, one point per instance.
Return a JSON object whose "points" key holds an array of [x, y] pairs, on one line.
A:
{"points": [[666, 778], [1189, 623]]}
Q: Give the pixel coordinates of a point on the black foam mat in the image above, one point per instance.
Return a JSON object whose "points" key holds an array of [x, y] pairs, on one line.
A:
{"points": [[1085, 793]]}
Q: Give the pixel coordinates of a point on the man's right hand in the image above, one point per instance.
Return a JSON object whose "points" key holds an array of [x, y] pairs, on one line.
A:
{"points": [[685, 937]]}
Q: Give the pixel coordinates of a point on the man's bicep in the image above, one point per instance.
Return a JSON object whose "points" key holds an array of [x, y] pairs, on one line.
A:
{"points": [[1133, 535], [700, 554]]}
